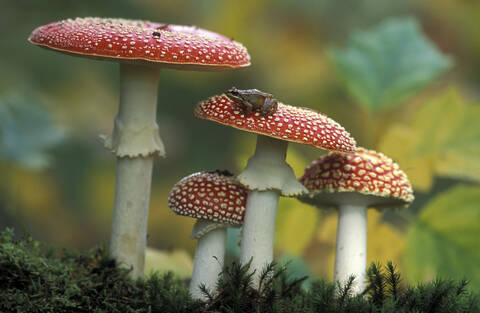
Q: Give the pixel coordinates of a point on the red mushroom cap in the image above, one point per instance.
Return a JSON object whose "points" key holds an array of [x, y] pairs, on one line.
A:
{"points": [[122, 40], [289, 123], [211, 196], [366, 172]]}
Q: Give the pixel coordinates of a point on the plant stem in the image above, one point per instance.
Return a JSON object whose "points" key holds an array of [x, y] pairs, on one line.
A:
{"points": [[351, 250]]}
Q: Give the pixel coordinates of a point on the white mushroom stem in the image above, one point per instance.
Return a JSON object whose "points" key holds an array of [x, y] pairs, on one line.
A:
{"points": [[134, 141], [351, 250], [259, 230], [209, 260], [269, 176]]}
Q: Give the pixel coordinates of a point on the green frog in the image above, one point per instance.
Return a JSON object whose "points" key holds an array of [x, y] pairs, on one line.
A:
{"points": [[253, 100]]}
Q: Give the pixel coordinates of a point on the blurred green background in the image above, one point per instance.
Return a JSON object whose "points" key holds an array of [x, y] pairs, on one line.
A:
{"points": [[402, 76]]}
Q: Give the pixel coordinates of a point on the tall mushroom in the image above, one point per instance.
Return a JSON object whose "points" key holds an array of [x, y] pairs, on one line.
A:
{"points": [[352, 183], [267, 174], [217, 200], [142, 48]]}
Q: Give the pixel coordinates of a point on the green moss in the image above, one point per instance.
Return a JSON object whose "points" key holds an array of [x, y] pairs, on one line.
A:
{"points": [[37, 278]]}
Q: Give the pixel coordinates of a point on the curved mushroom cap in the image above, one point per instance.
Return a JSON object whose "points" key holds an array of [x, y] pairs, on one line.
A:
{"points": [[213, 196], [336, 178], [134, 41], [288, 123]]}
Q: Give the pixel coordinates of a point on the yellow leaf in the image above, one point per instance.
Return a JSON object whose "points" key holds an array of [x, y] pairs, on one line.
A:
{"points": [[444, 139], [101, 188], [296, 224], [36, 198], [461, 154], [435, 122], [296, 161], [177, 261], [398, 144], [384, 243], [165, 228], [244, 149], [35, 192]]}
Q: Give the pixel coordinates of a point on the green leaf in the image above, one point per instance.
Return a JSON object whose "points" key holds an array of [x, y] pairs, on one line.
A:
{"points": [[26, 132], [389, 62], [444, 241]]}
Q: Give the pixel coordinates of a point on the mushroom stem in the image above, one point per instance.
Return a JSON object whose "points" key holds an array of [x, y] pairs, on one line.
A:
{"points": [[208, 261], [351, 250], [259, 231], [134, 141], [128, 238], [266, 168], [136, 131]]}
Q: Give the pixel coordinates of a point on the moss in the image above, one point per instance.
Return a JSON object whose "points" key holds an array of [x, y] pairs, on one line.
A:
{"points": [[37, 278]]}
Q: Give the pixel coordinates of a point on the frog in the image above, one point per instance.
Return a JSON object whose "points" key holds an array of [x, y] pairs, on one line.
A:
{"points": [[252, 100]]}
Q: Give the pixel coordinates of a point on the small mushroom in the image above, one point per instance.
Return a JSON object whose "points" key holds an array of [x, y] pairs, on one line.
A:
{"points": [[217, 200], [267, 174], [352, 183], [142, 48]]}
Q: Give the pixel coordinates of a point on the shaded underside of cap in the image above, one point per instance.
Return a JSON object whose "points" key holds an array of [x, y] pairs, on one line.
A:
{"points": [[143, 42], [332, 199], [203, 227], [209, 196], [366, 172], [288, 123]]}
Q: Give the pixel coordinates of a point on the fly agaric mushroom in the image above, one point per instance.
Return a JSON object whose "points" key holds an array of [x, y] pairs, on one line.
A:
{"points": [[142, 48], [267, 174], [352, 183], [218, 201]]}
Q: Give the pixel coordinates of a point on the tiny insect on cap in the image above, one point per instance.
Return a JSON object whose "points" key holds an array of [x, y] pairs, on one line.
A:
{"points": [[366, 172], [134, 41], [211, 196], [288, 123]]}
